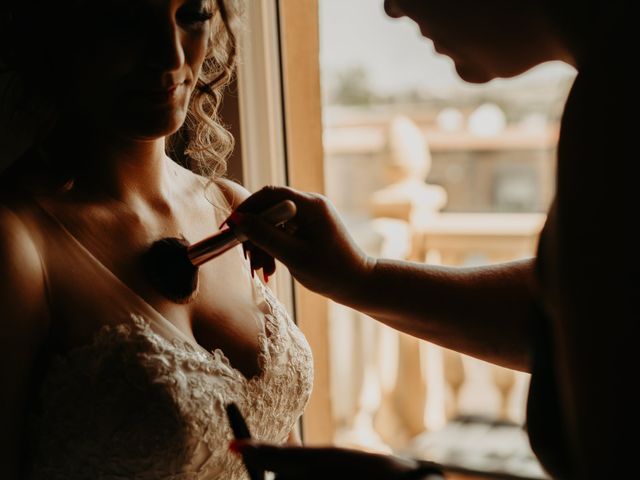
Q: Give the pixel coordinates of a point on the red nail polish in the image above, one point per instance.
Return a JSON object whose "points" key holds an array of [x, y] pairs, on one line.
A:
{"points": [[266, 277], [226, 220], [236, 447], [236, 217]]}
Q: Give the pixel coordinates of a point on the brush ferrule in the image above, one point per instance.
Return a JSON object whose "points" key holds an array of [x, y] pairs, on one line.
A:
{"points": [[204, 250], [213, 246]]}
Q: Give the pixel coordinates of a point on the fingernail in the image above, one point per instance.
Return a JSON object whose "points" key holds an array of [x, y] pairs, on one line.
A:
{"points": [[266, 277], [226, 220], [236, 447], [236, 217], [247, 255], [251, 267]]}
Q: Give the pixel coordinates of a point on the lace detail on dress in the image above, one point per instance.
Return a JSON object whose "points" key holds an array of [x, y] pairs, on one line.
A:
{"points": [[136, 405]]}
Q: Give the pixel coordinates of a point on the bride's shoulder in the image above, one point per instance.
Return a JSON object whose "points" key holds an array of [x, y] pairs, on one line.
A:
{"points": [[17, 240], [225, 192], [21, 270], [234, 193]]}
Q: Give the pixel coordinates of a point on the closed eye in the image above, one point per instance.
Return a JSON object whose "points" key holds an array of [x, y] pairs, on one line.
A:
{"points": [[194, 16]]}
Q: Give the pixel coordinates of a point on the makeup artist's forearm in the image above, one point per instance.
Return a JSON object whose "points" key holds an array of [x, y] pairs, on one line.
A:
{"points": [[483, 312]]}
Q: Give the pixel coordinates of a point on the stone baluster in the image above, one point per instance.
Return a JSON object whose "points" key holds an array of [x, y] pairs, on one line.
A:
{"points": [[504, 379], [416, 401], [454, 378]]}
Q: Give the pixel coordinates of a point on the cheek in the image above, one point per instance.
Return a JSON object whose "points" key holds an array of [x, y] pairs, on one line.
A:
{"points": [[101, 77], [196, 49]]}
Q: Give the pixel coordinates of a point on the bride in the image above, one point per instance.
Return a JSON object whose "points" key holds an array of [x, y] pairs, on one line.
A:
{"points": [[102, 377]]}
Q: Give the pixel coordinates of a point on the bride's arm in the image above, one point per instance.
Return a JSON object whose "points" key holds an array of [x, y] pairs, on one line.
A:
{"points": [[23, 325]]}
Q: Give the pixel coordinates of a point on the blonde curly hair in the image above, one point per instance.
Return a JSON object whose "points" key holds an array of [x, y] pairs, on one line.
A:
{"points": [[203, 142]]}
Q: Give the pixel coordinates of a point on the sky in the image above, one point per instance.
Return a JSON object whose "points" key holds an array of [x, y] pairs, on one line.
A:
{"points": [[397, 58]]}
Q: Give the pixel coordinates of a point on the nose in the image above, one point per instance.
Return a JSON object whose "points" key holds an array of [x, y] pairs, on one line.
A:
{"points": [[392, 9], [165, 51]]}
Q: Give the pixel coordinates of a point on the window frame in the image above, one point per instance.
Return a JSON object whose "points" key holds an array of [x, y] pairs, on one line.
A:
{"points": [[281, 130]]}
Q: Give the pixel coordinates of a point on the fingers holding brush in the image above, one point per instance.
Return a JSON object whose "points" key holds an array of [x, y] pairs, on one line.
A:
{"points": [[275, 217], [259, 260], [314, 245]]}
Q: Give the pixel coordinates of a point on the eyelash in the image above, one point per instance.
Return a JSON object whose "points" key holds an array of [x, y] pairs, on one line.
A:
{"points": [[196, 17]]}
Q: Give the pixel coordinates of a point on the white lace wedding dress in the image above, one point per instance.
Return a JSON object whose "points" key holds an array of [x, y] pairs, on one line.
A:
{"points": [[143, 401]]}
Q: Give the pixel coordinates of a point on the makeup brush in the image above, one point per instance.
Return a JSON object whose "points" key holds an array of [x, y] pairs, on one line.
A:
{"points": [[241, 432], [171, 264]]}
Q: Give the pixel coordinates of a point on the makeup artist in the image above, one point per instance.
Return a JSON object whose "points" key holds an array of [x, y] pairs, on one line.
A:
{"points": [[564, 316]]}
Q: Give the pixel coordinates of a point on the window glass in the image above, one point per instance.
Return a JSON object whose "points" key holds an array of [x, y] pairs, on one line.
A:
{"points": [[426, 167]]}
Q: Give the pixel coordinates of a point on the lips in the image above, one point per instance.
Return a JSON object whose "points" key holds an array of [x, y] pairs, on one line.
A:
{"points": [[158, 94]]}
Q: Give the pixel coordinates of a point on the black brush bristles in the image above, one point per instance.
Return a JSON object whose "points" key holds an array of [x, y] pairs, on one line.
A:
{"points": [[170, 271]]}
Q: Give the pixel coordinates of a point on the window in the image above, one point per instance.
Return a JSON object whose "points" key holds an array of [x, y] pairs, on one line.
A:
{"points": [[425, 167]]}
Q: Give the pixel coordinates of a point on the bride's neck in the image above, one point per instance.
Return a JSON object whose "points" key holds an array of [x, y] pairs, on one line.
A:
{"points": [[125, 169]]}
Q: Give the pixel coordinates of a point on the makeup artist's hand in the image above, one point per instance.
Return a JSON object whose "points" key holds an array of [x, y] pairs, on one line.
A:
{"points": [[304, 463], [314, 245]]}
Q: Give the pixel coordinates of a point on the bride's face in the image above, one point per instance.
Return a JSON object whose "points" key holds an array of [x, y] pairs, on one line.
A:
{"points": [[130, 66]]}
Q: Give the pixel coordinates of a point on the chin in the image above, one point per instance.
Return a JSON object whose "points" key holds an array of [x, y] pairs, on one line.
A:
{"points": [[151, 126], [149, 132]]}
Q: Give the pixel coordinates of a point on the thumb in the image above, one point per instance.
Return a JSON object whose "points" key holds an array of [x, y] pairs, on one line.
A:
{"points": [[273, 240]]}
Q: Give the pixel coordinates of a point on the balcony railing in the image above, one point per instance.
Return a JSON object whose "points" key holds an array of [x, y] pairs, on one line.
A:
{"points": [[392, 392], [397, 393]]}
